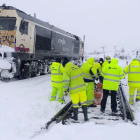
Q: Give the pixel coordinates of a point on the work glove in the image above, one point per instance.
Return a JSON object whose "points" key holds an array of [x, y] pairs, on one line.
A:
{"points": [[97, 79], [65, 93]]}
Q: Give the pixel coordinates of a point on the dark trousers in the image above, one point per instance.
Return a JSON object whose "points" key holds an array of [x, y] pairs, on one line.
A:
{"points": [[113, 99], [101, 79]]}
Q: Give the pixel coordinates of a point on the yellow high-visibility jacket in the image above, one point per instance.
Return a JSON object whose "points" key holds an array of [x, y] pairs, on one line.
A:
{"points": [[89, 70], [98, 67], [112, 74], [56, 74], [133, 71], [105, 63], [72, 79]]}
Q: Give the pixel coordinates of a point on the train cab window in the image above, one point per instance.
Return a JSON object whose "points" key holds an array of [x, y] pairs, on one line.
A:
{"points": [[76, 46], [7, 23], [23, 27], [43, 39]]}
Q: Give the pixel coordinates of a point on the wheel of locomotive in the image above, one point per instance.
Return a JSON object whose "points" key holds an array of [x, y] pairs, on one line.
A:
{"points": [[38, 73], [28, 75], [38, 69], [42, 73], [5, 75], [27, 70], [19, 77], [33, 74], [42, 69]]}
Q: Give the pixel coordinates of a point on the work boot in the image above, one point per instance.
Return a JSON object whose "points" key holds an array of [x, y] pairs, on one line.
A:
{"points": [[137, 100], [102, 110], [84, 108], [75, 112], [92, 105], [132, 107], [115, 111]]}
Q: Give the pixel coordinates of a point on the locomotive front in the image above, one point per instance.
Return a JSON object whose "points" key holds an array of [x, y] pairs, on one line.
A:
{"points": [[8, 26], [33, 43]]}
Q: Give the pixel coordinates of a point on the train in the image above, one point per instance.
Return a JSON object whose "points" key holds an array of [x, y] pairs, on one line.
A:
{"points": [[35, 43]]}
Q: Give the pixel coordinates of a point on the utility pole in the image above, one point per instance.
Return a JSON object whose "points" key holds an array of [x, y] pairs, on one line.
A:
{"points": [[137, 52], [115, 51], [83, 45], [103, 50], [115, 48]]}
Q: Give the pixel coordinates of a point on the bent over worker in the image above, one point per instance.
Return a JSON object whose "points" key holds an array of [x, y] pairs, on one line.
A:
{"points": [[57, 80], [73, 81], [98, 65], [89, 73], [133, 71], [112, 74]]}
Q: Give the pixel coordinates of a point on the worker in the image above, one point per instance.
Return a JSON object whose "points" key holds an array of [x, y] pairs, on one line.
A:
{"points": [[57, 80], [112, 73], [89, 73], [74, 83], [133, 71], [99, 69], [101, 61], [107, 61]]}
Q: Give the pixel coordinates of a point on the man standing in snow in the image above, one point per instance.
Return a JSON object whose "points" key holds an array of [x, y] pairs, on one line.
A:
{"points": [[107, 61], [74, 83], [57, 80], [99, 65], [112, 74], [89, 73], [133, 71]]}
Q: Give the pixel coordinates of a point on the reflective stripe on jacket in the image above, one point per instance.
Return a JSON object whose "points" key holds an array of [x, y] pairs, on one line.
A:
{"points": [[133, 71], [112, 74], [56, 74], [72, 79]]}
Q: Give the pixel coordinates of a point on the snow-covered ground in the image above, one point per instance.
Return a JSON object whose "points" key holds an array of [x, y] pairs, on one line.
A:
{"points": [[25, 107], [4, 48], [128, 55]]}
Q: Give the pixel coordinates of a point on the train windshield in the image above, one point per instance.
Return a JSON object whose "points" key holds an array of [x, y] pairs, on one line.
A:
{"points": [[7, 23]]}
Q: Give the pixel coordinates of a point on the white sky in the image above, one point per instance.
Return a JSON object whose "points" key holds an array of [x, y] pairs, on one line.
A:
{"points": [[104, 22]]}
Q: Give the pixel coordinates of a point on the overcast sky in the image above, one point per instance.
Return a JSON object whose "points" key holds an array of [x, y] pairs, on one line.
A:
{"points": [[104, 22]]}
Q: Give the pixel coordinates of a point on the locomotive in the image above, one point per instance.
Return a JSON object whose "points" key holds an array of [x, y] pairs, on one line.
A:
{"points": [[35, 43]]}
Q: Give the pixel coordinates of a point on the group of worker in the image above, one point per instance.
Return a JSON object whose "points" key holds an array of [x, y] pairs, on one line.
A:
{"points": [[80, 82]]}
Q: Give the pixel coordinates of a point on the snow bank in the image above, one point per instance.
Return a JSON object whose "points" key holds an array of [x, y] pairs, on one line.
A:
{"points": [[4, 64], [129, 55], [4, 48], [90, 131]]}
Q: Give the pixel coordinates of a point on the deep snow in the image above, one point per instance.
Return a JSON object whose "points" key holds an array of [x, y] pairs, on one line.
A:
{"points": [[4, 48], [25, 107]]}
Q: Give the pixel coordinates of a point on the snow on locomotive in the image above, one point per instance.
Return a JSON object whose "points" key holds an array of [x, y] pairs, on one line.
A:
{"points": [[35, 43]]}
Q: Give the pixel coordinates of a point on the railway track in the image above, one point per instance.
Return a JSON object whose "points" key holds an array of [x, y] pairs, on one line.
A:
{"points": [[124, 114]]}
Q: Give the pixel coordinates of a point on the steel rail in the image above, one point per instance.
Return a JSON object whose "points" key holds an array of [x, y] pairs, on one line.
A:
{"points": [[66, 113], [130, 115], [123, 104]]}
